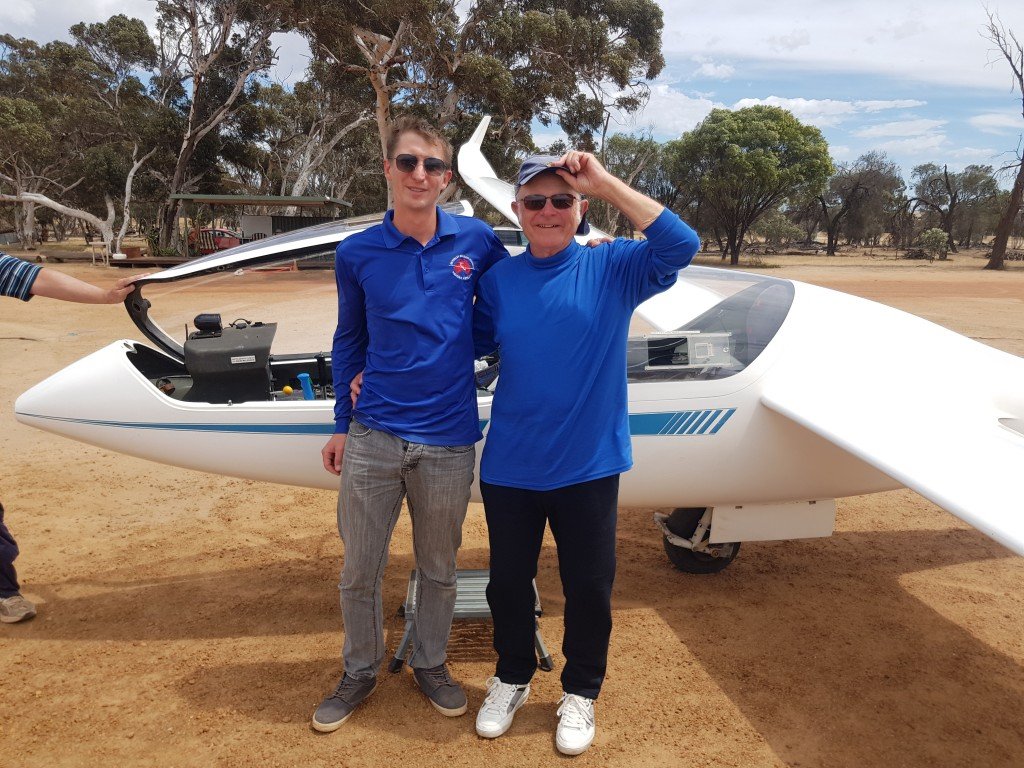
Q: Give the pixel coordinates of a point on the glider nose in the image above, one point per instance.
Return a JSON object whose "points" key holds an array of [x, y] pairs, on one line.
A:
{"points": [[67, 401], [51, 402]]}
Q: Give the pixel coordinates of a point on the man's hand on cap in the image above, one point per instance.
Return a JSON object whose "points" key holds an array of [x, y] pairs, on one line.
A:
{"points": [[583, 172]]}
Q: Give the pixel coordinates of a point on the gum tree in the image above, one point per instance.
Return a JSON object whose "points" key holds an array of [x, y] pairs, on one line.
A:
{"points": [[852, 189], [1010, 49], [69, 122], [209, 54], [570, 62], [750, 161], [952, 195]]}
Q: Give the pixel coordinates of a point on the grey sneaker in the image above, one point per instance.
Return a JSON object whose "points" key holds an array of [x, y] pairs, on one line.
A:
{"points": [[444, 693], [15, 608], [499, 707], [336, 708]]}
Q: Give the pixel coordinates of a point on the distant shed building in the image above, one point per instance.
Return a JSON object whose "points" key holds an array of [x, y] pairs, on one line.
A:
{"points": [[255, 227]]}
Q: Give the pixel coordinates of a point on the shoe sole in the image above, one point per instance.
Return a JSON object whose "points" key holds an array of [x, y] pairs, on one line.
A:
{"points": [[496, 734], [448, 712], [566, 750], [332, 727], [16, 619]]}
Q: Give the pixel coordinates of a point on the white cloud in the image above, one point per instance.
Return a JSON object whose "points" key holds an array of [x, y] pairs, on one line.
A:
{"points": [[998, 122], [715, 71], [820, 112], [938, 42], [878, 105], [916, 147], [900, 128], [826, 113], [293, 57], [987, 156], [17, 13], [51, 21], [672, 112], [795, 39], [840, 152]]}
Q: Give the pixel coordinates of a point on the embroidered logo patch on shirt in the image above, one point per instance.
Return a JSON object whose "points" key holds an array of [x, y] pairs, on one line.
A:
{"points": [[462, 267]]}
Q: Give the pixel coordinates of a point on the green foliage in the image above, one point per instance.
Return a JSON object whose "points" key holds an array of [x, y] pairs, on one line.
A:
{"points": [[73, 116], [118, 47], [776, 229], [736, 165], [633, 158], [22, 127], [954, 198], [933, 242], [857, 198], [570, 62]]}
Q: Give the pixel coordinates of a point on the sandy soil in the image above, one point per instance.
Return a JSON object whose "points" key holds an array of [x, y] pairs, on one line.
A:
{"points": [[192, 620]]}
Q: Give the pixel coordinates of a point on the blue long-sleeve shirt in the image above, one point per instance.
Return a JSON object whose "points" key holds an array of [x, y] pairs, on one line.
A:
{"points": [[405, 319], [559, 415], [17, 277]]}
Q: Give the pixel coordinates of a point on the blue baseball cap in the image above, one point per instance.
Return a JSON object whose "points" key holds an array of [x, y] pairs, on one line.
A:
{"points": [[534, 166]]}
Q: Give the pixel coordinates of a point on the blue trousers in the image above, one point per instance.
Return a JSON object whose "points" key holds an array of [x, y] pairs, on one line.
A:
{"points": [[582, 519], [8, 551]]}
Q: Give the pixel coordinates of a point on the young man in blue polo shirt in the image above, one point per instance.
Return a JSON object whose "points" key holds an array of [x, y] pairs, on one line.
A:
{"points": [[405, 310], [21, 280]]}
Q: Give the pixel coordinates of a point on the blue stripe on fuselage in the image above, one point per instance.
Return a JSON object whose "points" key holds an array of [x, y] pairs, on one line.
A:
{"points": [[672, 423]]}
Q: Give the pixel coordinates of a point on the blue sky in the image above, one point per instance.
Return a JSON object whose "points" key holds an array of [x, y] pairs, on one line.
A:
{"points": [[914, 79]]}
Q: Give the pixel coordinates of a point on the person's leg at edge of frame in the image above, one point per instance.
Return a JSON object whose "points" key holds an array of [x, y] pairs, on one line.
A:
{"points": [[8, 553], [13, 607], [369, 503], [583, 519], [438, 479], [515, 530]]}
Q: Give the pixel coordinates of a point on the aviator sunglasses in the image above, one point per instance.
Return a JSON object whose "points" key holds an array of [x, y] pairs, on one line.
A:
{"points": [[562, 201], [435, 166]]}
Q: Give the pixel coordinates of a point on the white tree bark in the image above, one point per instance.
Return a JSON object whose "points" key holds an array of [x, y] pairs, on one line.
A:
{"points": [[315, 151], [129, 181], [106, 227]]}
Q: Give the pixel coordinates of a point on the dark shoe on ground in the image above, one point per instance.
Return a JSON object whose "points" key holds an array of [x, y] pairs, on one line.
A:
{"points": [[444, 693], [336, 708], [15, 608]]}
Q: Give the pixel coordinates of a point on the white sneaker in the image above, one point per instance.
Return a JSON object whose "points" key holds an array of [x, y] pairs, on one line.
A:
{"points": [[499, 707], [575, 725]]}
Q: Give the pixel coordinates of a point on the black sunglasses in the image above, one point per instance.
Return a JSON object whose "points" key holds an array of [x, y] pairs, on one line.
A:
{"points": [[435, 166], [562, 201]]}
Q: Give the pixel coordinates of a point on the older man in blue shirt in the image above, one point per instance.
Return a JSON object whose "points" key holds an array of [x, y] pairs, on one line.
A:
{"points": [[559, 435]]}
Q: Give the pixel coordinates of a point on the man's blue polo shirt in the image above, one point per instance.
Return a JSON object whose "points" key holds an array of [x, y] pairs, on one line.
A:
{"points": [[405, 314]]}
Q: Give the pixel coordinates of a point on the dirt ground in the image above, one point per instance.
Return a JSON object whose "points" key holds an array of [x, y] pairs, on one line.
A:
{"points": [[192, 620]]}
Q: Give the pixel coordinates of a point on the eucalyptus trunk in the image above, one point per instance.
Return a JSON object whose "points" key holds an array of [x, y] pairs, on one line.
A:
{"points": [[1005, 226]]}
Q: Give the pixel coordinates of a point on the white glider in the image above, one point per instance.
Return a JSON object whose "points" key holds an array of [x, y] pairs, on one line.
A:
{"points": [[754, 402]]}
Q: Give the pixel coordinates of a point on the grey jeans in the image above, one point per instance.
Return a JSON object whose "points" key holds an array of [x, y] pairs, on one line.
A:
{"points": [[378, 471]]}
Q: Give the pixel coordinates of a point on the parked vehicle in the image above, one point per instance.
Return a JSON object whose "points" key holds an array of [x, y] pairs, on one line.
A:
{"points": [[212, 239]]}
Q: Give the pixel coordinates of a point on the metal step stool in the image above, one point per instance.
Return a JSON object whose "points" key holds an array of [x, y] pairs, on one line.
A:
{"points": [[470, 603]]}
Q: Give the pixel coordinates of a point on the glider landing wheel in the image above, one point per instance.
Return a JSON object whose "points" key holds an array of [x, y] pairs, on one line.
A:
{"points": [[683, 522]]}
